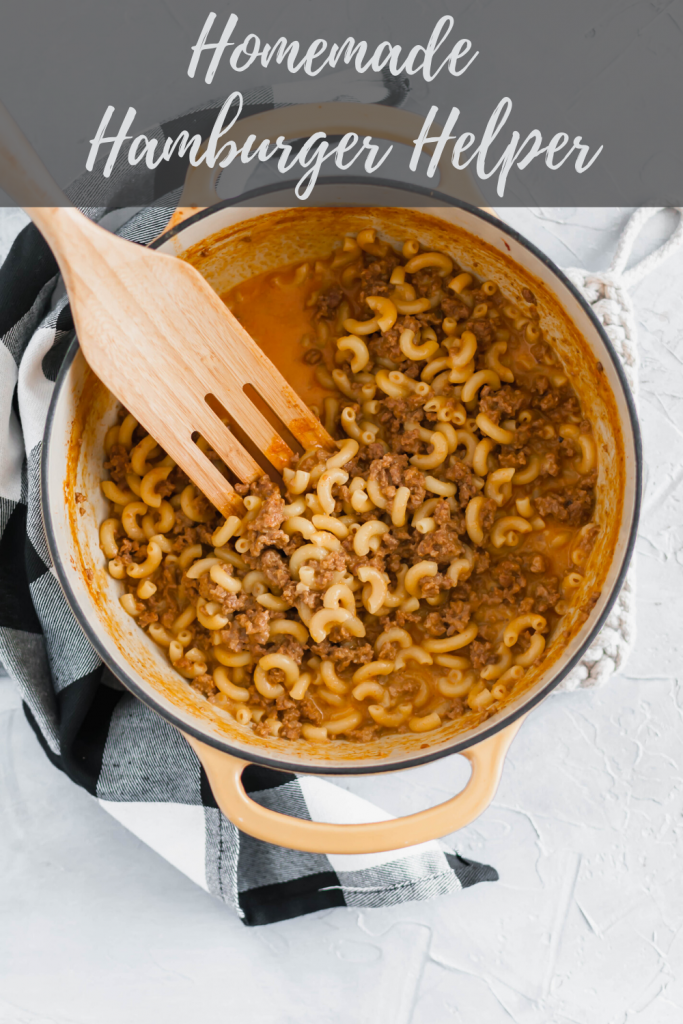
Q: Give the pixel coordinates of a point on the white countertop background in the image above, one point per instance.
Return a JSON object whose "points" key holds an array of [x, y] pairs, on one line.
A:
{"points": [[585, 925]]}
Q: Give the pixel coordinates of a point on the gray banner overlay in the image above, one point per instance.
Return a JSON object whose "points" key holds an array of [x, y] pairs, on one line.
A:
{"points": [[500, 102]]}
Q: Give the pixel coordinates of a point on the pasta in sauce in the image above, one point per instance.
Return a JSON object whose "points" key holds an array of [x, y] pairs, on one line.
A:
{"points": [[413, 577]]}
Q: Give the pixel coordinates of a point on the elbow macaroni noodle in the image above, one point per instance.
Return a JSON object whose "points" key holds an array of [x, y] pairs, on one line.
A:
{"points": [[416, 575]]}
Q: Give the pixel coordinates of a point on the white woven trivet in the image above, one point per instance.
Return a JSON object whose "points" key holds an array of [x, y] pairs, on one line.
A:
{"points": [[607, 294]]}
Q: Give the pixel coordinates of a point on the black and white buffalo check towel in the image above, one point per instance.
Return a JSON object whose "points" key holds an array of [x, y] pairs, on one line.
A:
{"points": [[140, 769]]}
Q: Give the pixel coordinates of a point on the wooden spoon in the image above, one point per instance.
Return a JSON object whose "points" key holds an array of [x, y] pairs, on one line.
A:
{"points": [[159, 337]]}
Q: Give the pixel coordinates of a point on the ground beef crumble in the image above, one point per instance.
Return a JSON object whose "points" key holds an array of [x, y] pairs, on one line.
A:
{"points": [[499, 582]]}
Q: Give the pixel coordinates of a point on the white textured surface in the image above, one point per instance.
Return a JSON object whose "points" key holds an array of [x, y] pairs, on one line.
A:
{"points": [[586, 923]]}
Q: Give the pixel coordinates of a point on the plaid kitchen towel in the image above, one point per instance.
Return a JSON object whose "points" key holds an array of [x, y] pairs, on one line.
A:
{"points": [[138, 766]]}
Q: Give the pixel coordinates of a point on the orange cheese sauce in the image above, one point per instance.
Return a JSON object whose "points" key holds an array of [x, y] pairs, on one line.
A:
{"points": [[296, 314], [277, 318]]}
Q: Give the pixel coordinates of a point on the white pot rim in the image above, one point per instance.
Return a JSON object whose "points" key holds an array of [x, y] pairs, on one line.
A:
{"points": [[499, 721]]}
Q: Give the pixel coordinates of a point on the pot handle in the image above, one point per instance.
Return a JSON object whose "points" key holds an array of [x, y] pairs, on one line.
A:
{"points": [[224, 773], [304, 119]]}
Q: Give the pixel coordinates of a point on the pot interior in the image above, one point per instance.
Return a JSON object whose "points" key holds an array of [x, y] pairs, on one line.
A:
{"points": [[228, 245]]}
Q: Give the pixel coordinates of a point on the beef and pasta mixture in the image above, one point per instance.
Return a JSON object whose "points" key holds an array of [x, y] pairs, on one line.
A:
{"points": [[414, 576]]}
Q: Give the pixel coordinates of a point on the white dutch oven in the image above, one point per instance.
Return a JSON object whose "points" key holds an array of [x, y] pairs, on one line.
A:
{"points": [[229, 243]]}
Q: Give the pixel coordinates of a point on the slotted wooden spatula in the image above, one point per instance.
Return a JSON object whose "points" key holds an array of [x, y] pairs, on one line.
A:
{"points": [[160, 339]]}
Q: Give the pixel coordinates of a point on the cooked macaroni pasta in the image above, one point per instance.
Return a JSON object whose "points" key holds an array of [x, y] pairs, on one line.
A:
{"points": [[415, 576]]}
